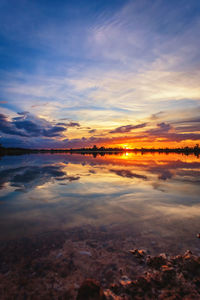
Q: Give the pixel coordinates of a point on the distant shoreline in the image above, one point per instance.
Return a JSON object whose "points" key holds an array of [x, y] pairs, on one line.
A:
{"points": [[101, 151]]}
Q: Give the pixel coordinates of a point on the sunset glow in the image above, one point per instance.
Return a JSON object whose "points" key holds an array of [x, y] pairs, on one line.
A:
{"points": [[106, 73]]}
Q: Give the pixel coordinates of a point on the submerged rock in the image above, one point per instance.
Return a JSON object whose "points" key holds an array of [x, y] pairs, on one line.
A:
{"points": [[138, 253], [125, 280], [90, 290], [157, 261]]}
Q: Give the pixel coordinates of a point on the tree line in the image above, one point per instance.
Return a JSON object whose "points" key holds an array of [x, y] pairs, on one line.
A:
{"points": [[101, 150]]}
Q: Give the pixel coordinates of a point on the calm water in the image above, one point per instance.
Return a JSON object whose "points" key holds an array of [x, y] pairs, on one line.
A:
{"points": [[152, 197]]}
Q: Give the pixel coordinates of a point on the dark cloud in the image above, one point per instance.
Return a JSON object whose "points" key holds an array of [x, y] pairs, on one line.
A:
{"points": [[92, 131], [35, 142], [61, 124], [157, 116], [128, 174], [73, 124], [190, 120], [23, 113], [178, 137], [172, 168], [72, 178], [188, 128], [166, 131], [70, 124], [3, 118], [30, 177], [28, 125], [128, 128], [18, 118], [38, 127], [162, 129], [54, 131], [25, 178], [8, 127]]}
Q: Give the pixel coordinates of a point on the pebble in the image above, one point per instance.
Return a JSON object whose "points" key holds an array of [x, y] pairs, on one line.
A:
{"points": [[59, 255], [76, 286], [85, 253], [138, 253], [125, 280]]}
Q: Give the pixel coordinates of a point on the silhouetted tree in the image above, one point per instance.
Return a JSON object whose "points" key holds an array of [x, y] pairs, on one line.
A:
{"points": [[94, 148], [102, 149]]}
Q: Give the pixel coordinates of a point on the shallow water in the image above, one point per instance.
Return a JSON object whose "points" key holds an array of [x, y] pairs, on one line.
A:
{"points": [[153, 199]]}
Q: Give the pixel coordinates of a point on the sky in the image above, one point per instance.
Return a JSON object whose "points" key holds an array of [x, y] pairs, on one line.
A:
{"points": [[105, 72]]}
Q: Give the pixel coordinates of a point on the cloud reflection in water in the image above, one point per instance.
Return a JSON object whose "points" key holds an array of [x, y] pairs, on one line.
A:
{"points": [[70, 190]]}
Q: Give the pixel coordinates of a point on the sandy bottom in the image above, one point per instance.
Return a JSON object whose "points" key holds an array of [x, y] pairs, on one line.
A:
{"points": [[94, 263]]}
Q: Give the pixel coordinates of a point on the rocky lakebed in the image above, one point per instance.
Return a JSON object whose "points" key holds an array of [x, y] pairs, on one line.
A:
{"points": [[93, 263]]}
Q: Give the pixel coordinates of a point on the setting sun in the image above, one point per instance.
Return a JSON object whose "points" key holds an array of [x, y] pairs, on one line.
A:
{"points": [[125, 147]]}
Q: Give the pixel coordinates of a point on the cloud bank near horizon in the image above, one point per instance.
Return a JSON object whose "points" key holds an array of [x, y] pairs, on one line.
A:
{"points": [[27, 130]]}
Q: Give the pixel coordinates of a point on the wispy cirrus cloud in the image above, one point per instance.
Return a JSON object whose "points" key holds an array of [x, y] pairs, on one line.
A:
{"points": [[141, 79]]}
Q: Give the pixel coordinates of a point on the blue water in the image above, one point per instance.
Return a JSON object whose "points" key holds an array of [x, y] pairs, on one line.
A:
{"points": [[155, 198]]}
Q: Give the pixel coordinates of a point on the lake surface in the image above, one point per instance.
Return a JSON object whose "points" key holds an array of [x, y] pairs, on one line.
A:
{"points": [[151, 198]]}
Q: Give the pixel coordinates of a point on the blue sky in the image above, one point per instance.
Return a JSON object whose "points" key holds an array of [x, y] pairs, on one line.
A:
{"points": [[103, 65]]}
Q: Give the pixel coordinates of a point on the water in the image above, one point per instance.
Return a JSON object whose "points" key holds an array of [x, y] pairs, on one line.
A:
{"points": [[151, 199]]}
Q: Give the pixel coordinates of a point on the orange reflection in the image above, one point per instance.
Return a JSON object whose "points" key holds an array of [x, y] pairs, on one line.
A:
{"points": [[134, 158]]}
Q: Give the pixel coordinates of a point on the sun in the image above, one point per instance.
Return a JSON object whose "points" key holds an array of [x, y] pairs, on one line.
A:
{"points": [[125, 147]]}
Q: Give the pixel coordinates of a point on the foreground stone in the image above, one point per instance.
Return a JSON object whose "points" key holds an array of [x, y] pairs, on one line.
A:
{"points": [[90, 289], [175, 277]]}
